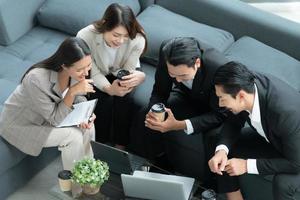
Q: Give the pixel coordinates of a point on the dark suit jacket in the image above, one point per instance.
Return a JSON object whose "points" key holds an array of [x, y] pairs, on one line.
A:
{"points": [[202, 92], [280, 117]]}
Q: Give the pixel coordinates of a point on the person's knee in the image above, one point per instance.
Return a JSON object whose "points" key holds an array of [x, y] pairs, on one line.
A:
{"points": [[76, 136], [91, 132], [282, 185]]}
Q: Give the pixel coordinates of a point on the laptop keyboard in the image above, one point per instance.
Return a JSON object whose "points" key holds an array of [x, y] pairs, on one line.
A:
{"points": [[136, 162]]}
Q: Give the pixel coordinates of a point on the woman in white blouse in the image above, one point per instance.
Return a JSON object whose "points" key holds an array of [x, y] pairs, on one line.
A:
{"points": [[116, 42]]}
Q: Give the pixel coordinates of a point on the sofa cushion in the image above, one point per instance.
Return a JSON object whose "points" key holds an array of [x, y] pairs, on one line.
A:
{"points": [[36, 45], [70, 16], [161, 24], [7, 87], [33, 47], [16, 18], [260, 57], [142, 93], [10, 155]]}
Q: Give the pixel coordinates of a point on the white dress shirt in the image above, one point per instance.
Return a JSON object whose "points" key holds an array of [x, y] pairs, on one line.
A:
{"points": [[189, 127]]}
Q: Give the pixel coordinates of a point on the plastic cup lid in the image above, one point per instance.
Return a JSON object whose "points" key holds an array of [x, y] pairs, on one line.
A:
{"points": [[159, 107], [65, 174]]}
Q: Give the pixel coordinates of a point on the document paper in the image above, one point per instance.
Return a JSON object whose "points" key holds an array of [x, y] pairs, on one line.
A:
{"points": [[81, 113]]}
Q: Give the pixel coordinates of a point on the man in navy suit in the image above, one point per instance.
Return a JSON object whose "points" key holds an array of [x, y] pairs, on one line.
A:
{"points": [[271, 107]]}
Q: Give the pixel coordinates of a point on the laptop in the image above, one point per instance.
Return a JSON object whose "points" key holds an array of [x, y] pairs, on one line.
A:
{"points": [[119, 161], [149, 185]]}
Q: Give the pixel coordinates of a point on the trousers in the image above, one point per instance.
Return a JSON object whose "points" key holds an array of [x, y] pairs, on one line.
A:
{"points": [[252, 145], [73, 142]]}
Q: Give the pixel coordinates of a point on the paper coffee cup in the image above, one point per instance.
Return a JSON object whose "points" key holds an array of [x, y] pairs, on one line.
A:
{"points": [[159, 111], [64, 179], [208, 195]]}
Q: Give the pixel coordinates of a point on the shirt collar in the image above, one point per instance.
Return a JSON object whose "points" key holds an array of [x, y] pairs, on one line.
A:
{"points": [[255, 114]]}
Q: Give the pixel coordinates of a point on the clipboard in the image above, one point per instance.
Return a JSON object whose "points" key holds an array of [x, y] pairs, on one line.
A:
{"points": [[82, 112]]}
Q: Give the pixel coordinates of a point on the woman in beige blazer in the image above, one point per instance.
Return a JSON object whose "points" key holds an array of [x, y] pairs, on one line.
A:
{"points": [[116, 42], [44, 98]]}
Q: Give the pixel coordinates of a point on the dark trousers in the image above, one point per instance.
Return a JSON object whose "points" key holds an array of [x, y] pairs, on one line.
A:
{"points": [[113, 116], [185, 153], [252, 145]]}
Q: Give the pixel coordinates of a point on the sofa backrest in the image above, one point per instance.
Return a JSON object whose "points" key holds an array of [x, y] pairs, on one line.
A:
{"points": [[145, 3], [260, 57], [70, 16], [17, 17], [241, 19], [161, 24]]}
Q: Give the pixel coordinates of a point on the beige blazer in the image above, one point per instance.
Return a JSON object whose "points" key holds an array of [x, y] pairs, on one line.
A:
{"points": [[127, 55], [32, 110]]}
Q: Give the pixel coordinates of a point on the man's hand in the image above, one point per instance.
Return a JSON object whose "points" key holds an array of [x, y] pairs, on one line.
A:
{"points": [[236, 167], [168, 125], [218, 162]]}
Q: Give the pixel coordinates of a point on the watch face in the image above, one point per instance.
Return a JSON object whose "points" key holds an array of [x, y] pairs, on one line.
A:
{"points": [[121, 73]]}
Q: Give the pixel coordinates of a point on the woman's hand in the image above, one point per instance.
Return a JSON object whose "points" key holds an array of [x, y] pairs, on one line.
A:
{"points": [[82, 87], [115, 89], [90, 123], [133, 79]]}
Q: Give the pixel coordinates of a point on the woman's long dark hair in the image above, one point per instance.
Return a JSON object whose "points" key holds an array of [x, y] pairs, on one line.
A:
{"points": [[70, 51], [116, 15]]}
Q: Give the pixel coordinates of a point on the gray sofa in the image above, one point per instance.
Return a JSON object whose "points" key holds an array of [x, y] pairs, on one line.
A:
{"points": [[32, 30]]}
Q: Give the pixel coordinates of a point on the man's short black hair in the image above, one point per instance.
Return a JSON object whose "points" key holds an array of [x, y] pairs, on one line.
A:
{"points": [[182, 50], [233, 77]]}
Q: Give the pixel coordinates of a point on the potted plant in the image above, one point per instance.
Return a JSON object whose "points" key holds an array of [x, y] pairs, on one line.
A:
{"points": [[90, 174]]}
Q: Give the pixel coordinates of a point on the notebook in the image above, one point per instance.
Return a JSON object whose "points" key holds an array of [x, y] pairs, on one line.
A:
{"points": [[82, 112], [119, 161], [149, 185]]}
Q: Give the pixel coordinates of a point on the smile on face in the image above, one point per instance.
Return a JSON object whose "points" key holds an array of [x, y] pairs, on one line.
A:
{"points": [[80, 69], [235, 105], [182, 72], [116, 37]]}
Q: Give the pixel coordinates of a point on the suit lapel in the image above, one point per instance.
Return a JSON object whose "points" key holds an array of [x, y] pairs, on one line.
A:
{"points": [[54, 81], [262, 94], [197, 82], [101, 52]]}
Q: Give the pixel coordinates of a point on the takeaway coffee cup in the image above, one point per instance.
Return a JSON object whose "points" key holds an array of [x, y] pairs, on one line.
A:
{"points": [[121, 73], [159, 111], [64, 179], [209, 195]]}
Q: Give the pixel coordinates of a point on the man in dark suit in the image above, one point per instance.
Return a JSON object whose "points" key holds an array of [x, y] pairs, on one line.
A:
{"points": [[271, 107], [183, 82]]}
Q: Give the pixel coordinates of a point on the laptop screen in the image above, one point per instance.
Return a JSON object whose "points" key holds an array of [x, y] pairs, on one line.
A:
{"points": [[117, 160]]}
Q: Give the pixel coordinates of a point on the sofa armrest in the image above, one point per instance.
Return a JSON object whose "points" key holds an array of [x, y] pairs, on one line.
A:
{"points": [[16, 18], [241, 19]]}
